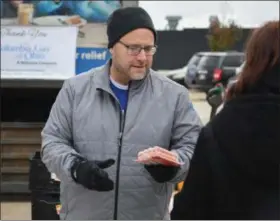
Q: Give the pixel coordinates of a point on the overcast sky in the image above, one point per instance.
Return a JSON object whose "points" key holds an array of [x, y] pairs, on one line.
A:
{"points": [[197, 13]]}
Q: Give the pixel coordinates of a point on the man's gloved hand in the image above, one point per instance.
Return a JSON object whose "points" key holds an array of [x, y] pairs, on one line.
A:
{"points": [[162, 173], [91, 175]]}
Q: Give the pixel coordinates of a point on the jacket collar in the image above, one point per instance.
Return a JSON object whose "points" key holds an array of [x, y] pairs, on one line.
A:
{"points": [[102, 79]]}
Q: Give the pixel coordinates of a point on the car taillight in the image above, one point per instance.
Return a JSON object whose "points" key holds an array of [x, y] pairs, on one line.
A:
{"points": [[217, 74]]}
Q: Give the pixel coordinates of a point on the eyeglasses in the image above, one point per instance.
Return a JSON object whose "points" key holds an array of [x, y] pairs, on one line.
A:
{"points": [[136, 49]]}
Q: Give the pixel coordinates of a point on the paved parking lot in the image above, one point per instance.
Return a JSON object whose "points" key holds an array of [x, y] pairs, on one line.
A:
{"points": [[21, 210], [201, 106]]}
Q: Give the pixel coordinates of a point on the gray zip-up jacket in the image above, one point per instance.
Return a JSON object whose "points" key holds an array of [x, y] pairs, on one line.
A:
{"points": [[86, 120]]}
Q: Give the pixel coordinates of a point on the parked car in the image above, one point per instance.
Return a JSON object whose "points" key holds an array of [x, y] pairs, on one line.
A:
{"points": [[178, 75], [192, 68], [189, 70], [213, 68]]}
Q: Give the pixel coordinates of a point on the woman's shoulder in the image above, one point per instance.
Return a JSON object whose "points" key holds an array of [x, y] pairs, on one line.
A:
{"points": [[206, 138]]}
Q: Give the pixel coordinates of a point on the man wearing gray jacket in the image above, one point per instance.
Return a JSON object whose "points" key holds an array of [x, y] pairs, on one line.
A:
{"points": [[102, 119]]}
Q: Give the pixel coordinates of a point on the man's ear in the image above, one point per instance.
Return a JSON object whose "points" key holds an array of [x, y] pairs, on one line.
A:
{"points": [[111, 50]]}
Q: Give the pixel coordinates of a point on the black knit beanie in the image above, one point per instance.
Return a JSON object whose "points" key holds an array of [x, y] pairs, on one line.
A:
{"points": [[125, 20]]}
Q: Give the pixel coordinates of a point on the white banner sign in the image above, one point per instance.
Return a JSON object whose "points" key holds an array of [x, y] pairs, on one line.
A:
{"points": [[33, 52]]}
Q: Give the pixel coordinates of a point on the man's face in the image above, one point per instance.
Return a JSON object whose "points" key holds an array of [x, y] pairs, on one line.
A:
{"points": [[132, 55]]}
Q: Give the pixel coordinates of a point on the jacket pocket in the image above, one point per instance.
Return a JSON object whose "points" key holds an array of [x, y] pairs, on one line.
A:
{"points": [[163, 191], [159, 188]]}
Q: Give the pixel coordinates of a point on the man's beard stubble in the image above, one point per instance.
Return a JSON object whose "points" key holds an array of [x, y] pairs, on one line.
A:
{"points": [[129, 74], [138, 76]]}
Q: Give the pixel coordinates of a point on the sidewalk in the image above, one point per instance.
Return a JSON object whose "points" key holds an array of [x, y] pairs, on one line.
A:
{"points": [[15, 211]]}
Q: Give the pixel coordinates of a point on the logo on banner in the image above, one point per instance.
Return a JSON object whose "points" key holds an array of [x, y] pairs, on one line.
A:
{"points": [[88, 58]]}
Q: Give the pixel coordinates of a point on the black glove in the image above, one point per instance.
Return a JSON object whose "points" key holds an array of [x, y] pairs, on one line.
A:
{"points": [[91, 175], [162, 173]]}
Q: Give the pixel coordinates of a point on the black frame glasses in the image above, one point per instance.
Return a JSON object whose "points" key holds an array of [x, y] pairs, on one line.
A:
{"points": [[136, 49]]}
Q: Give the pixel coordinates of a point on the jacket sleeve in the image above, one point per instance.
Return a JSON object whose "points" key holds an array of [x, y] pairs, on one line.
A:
{"points": [[186, 129], [194, 200], [57, 149]]}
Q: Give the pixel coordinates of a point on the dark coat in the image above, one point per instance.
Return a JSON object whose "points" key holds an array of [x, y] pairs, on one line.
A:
{"points": [[235, 170]]}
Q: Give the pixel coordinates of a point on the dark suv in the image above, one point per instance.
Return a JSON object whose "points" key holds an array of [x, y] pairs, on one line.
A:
{"points": [[212, 68]]}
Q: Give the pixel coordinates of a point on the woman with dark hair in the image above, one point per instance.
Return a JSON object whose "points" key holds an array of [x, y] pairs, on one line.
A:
{"points": [[235, 170]]}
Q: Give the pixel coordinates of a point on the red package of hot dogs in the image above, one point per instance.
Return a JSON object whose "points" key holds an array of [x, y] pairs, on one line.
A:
{"points": [[158, 155]]}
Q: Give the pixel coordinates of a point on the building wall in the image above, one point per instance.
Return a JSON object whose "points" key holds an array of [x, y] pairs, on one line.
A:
{"points": [[175, 48]]}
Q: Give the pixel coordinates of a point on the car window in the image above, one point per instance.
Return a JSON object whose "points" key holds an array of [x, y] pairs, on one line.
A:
{"points": [[194, 60], [233, 60], [209, 61]]}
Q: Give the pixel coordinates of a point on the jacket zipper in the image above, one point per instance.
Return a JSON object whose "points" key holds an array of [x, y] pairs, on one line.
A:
{"points": [[120, 139], [121, 129]]}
